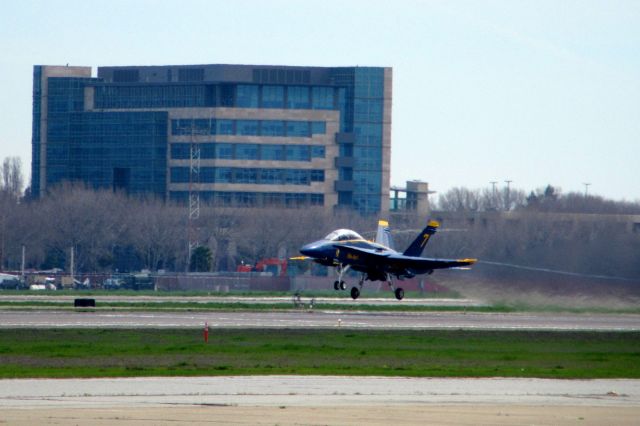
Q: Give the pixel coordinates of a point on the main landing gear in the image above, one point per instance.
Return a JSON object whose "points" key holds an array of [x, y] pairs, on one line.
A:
{"points": [[398, 292], [355, 291]]}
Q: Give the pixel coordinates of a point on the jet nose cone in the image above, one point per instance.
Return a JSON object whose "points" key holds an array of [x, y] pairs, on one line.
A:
{"points": [[310, 250]]}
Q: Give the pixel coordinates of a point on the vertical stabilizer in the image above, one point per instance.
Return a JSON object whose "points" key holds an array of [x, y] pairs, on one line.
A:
{"points": [[383, 236], [418, 245]]}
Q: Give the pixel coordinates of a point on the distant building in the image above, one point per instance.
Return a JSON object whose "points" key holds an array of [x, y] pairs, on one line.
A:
{"points": [[414, 198], [237, 135]]}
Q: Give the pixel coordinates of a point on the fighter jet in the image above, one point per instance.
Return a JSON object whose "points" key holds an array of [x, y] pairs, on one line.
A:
{"points": [[376, 260]]}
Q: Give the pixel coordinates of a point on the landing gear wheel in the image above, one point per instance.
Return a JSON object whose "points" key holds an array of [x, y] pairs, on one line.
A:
{"points": [[336, 285], [355, 293], [399, 293], [343, 285]]}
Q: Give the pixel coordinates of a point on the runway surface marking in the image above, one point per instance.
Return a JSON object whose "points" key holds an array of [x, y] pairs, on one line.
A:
{"points": [[313, 391], [319, 319]]}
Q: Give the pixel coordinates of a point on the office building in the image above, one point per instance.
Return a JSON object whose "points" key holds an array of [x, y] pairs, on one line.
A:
{"points": [[235, 135]]}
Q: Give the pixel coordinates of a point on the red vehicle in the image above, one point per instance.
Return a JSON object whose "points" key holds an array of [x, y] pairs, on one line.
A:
{"points": [[278, 267]]}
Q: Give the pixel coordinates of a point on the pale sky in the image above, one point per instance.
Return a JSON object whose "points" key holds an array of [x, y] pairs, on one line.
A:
{"points": [[536, 92]]}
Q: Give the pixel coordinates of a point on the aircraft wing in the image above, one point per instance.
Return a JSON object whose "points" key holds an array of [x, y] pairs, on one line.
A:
{"points": [[360, 255], [423, 263], [398, 261]]}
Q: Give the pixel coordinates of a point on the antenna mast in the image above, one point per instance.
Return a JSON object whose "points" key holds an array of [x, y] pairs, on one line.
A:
{"points": [[194, 194]]}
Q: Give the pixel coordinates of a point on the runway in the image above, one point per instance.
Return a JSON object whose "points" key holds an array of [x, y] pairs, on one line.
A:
{"points": [[318, 319], [327, 391], [282, 300], [319, 400]]}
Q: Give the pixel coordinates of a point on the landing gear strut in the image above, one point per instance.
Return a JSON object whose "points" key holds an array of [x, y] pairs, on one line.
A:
{"points": [[339, 284]]}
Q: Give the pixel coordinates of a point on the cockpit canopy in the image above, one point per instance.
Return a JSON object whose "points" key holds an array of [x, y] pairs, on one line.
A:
{"points": [[343, 235]]}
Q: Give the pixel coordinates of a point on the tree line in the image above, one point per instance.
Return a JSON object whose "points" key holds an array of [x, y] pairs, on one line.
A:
{"points": [[111, 231]]}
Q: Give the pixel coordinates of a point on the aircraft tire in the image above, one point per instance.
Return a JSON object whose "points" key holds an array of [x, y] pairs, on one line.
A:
{"points": [[399, 293], [336, 285], [355, 293], [343, 285]]}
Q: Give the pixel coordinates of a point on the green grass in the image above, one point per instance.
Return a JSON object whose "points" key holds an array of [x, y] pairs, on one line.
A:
{"points": [[439, 353]]}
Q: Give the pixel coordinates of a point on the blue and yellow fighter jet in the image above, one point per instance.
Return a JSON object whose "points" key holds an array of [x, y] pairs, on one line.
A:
{"points": [[345, 249]]}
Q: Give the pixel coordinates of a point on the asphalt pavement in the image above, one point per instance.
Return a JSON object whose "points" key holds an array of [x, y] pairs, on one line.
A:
{"points": [[306, 318]]}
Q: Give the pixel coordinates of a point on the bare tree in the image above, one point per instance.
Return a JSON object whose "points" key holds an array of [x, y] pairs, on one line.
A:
{"points": [[92, 222], [459, 199], [12, 179], [157, 233]]}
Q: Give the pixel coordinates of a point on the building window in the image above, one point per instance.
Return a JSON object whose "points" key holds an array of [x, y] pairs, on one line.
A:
{"points": [[317, 152], [245, 199], [179, 174], [270, 177], [316, 199], [246, 175], [247, 127], [272, 199], [318, 127], [246, 151], [207, 174], [181, 127], [225, 127], [247, 96], [317, 175], [296, 177], [224, 175], [207, 151], [272, 97], [298, 97], [322, 98], [180, 151], [272, 152], [298, 153], [272, 128], [224, 151], [298, 128]]}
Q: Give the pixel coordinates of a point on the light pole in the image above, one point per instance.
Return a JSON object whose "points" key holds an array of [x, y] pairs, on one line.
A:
{"points": [[586, 189], [493, 194], [508, 203]]}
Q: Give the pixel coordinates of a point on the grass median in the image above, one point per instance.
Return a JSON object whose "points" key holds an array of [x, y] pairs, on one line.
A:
{"points": [[425, 353]]}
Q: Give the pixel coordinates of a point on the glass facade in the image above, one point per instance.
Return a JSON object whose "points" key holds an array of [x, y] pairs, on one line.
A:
{"points": [[252, 199], [248, 151], [250, 175], [120, 150], [126, 137], [367, 104], [35, 130], [200, 126]]}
